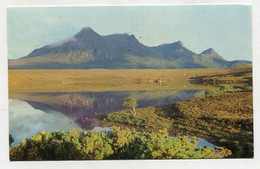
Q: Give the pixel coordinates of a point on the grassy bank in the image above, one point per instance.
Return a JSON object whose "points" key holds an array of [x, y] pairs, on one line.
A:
{"points": [[226, 119]]}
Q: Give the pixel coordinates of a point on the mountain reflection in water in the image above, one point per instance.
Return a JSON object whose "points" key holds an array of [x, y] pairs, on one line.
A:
{"points": [[25, 121], [90, 105]]}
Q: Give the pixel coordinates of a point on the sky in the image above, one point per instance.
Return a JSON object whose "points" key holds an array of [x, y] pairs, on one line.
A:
{"points": [[225, 28]]}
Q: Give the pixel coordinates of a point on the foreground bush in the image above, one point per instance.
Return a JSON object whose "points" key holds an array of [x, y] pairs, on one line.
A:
{"points": [[116, 144]]}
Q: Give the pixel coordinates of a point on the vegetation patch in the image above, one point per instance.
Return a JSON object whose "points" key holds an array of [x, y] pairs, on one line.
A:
{"points": [[226, 119], [221, 90], [145, 118], [115, 144]]}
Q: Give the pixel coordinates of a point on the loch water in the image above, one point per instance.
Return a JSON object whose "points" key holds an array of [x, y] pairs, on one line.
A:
{"points": [[30, 113]]}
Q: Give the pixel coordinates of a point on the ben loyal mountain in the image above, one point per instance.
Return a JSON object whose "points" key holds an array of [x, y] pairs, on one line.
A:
{"points": [[87, 49]]}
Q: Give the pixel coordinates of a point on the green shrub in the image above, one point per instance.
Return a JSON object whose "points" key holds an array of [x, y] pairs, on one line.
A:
{"points": [[116, 144], [221, 90], [126, 117], [228, 89], [144, 118]]}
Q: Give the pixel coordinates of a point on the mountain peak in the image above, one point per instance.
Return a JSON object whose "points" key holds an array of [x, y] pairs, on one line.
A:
{"points": [[86, 31], [179, 43], [87, 28], [209, 51], [128, 36], [173, 45], [132, 37]]}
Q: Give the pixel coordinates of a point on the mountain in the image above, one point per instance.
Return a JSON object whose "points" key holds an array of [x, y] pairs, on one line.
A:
{"points": [[88, 49], [177, 52]]}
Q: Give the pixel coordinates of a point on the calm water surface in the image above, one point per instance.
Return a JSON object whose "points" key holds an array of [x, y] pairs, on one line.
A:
{"points": [[31, 113]]}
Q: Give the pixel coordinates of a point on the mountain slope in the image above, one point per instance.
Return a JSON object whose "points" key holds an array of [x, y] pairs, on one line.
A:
{"points": [[88, 49], [177, 52]]}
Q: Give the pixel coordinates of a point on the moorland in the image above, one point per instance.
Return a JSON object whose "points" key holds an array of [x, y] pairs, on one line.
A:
{"points": [[224, 116], [99, 80]]}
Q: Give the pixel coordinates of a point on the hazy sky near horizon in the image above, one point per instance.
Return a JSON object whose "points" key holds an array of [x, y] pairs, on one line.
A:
{"points": [[225, 28]]}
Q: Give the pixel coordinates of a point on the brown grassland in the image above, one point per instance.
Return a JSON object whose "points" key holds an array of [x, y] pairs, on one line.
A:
{"points": [[23, 81]]}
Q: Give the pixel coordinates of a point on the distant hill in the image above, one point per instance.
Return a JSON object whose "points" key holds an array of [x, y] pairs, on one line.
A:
{"points": [[87, 49]]}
